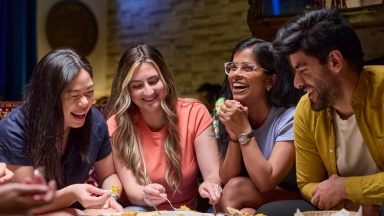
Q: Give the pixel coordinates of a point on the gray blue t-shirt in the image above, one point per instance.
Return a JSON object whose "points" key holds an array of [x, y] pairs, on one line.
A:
{"points": [[277, 127]]}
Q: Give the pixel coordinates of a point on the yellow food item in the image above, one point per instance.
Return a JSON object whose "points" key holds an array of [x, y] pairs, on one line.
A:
{"points": [[179, 215], [237, 212], [234, 211], [115, 189], [127, 213], [184, 208], [150, 213]]}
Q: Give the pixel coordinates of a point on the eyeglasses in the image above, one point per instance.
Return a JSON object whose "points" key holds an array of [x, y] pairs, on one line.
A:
{"points": [[248, 67]]}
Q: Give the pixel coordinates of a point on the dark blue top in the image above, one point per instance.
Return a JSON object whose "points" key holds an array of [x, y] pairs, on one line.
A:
{"points": [[13, 146]]}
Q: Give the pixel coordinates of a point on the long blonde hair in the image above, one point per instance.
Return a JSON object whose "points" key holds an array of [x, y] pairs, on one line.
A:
{"points": [[125, 139]]}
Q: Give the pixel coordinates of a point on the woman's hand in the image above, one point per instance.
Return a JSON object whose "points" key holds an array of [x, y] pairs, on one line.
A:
{"points": [[156, 192], [6, 175], [112, 203], [210, 190], [234, 117], [90, 196], [110, 206]]}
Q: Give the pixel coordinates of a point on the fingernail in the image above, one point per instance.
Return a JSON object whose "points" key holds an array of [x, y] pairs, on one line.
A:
{"points": [[105, 206]]}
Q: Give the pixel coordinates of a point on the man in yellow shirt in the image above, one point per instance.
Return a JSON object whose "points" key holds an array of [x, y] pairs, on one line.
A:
{"points": [[339, 123]]}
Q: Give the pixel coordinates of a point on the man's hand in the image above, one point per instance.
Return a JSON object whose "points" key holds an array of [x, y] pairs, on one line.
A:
{"points": [[329, 193]]}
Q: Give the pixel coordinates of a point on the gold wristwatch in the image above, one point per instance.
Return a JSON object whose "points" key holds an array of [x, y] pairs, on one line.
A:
{"points": [[244, 138]]}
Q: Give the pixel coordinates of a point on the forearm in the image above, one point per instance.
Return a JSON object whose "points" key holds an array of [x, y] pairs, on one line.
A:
{"points": [[262, 174], [136, 195], [63, 199], [231, 166]]}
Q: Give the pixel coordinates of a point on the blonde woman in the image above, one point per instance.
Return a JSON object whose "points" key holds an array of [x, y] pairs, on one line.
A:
{"points": [[160, 141]]}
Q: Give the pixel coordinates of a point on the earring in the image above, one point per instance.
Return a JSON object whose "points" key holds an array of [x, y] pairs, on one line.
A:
{"points": [[269, 88]]}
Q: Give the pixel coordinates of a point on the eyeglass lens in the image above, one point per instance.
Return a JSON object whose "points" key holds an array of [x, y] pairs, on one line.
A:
{"points": [[233, 66]]}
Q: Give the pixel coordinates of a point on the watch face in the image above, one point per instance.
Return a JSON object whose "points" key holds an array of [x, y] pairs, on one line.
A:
{"points": [[243, 138]]}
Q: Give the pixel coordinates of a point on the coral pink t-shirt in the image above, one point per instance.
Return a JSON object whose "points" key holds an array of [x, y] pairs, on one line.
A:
{"points": [[194, 118]]}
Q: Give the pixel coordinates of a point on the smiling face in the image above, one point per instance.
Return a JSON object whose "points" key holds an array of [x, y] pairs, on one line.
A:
{"points": [[77, 99], [315, 79], [252, 85], [146, 88]]}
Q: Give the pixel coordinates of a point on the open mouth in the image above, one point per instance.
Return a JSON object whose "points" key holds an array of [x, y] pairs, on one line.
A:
{"points": [[239, 86], [150, 99], [78, 115]]}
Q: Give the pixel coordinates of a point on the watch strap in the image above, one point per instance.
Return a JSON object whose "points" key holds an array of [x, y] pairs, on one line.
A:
{"points": [[250, 134]]}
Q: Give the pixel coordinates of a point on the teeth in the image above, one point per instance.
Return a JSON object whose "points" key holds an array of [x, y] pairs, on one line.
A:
{"points": [[149, 99], [238, 84], [79, 114]]}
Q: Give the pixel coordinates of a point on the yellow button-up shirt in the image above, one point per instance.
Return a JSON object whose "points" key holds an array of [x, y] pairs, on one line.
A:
{"points": [[316, 143]]}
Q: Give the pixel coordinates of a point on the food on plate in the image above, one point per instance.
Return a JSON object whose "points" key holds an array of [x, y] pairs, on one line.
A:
{"points": [[260, 215], [237, 212], [126, 213], [184, 208], [150, 213], [130, 213]]}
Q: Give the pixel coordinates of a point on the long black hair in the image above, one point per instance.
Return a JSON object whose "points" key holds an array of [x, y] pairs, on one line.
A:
{"points": [[43, 109], [283, 93]]}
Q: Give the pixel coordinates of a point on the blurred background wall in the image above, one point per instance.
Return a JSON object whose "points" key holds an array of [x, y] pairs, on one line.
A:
{"points": [[195, 36]]}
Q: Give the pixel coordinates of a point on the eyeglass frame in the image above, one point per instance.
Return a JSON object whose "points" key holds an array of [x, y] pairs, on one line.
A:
{"points": [[254, 66]]}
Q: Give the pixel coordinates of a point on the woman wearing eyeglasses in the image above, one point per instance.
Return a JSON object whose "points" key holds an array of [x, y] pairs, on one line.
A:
{"points": [[255, 128]]}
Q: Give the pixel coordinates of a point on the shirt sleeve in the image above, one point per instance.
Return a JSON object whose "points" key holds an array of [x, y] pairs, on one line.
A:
{"points": [[285, 130], [13, 149], [310, 169], [112, 125], [101, 135], [366, 189], [199, 118]]}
